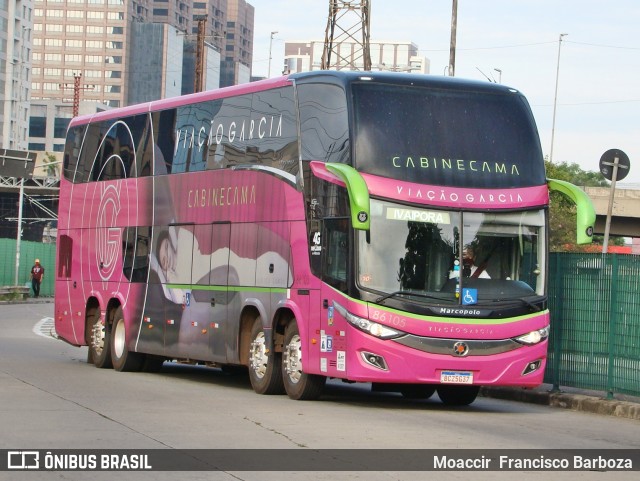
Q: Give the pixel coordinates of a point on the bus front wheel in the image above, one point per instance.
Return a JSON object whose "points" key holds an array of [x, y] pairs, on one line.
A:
{"points": [[264, 364], [417, 391], [121, 357], [99, 340], [458, 395], [298, 384]]}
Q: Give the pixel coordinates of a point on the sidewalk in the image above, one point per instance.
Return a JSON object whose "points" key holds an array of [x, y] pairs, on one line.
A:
{"points": [[570, 398], [567, 398]]}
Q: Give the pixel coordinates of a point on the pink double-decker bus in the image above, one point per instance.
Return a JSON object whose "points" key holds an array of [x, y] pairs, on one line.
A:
{"points": [[380, 228]]}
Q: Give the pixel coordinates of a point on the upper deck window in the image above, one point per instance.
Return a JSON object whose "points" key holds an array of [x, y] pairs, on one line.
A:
{"points": [[258, 128], [460, 138]]}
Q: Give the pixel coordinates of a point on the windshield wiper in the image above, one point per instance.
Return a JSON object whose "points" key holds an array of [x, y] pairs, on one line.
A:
{"points": [[531, 305], [408, 293]]}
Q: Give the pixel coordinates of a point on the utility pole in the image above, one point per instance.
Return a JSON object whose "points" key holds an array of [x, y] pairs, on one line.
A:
{"points": [[555, 96], [452, 47], [270, 46], [198, 82], [348, 24], [19, 235], [77, 87]]}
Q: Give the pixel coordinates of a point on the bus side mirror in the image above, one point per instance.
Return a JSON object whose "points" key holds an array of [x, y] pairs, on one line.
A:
{"points": [[358, 194], [586, 214]]}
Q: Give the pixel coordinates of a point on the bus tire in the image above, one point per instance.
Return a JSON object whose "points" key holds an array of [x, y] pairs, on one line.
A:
{"points": [[458, 395], [99, 340], [123, 360], [265, 368], [152, 363], [417, 391], [298, 384]]}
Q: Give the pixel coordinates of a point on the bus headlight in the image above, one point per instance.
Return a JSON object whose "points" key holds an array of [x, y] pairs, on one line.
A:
{"points": [[534, 337], [378, 330]]}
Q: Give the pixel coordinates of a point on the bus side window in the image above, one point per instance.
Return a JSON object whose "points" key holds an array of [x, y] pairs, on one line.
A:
{"points": [[334, 252], [164, 135], [135, 253], [324, 123], [75, 137], [65, 251], [276, 144], [136, 146], [88, 154]]}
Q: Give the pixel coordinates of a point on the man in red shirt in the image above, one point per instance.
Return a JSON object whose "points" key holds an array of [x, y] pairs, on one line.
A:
{"points": [[37, 274]]}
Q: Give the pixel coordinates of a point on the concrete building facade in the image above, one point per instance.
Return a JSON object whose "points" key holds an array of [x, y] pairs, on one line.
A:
{"points": [[48, 122], [128, 51], [238, 51], [15, 72], [156, 61], [306, 56], [84, 37]]}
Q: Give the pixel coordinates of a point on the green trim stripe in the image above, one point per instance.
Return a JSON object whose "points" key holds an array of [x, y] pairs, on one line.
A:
{"points": [[200, 287], [447, 320], [453, 320]]}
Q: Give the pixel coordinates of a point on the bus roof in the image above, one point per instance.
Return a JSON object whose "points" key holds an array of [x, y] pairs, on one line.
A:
{"points": [[401, 78], [173, 102], [330, 76]]}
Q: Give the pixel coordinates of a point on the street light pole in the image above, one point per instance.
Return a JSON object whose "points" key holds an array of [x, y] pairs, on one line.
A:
{"points": [[19, 235], [270, 45], [452, 46], [555, 98]]}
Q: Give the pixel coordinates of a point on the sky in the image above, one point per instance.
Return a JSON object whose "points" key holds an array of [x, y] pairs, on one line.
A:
{"points": [[598, 100]]}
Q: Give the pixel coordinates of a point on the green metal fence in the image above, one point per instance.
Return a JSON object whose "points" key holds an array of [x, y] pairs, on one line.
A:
{"points": [[29, 251], [595, 319]]}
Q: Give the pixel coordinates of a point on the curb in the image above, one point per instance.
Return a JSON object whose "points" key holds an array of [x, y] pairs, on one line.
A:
{"points": [[574, 402], [30, 300]]}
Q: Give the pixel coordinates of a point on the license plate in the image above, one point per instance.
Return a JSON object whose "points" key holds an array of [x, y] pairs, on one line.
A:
{"points": [[456, 377]]}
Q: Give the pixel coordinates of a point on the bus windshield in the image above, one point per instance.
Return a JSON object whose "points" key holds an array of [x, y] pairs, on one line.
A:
{"points": [[450, 137], [434, 252]]}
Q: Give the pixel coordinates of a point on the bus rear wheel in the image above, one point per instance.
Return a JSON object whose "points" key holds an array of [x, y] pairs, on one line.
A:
{"points": [[123, 359], [298, 384], [152, 363], [458, 395], [265, 369], [99, 340]]}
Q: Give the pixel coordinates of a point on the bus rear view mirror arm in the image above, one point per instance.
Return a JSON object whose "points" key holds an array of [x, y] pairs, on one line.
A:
{"points": [[358, 194], [586, 214]]}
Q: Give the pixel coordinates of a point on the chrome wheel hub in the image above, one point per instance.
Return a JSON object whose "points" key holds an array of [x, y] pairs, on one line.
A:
{"points": [[119, 338], [292, 359], [258, 358], [97, 337]]}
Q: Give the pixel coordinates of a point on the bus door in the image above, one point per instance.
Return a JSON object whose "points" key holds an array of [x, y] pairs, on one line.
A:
{"points": [[70, 301], [334, 255], [202, 252]]}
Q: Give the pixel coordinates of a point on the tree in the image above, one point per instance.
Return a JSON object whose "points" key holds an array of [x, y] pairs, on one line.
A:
{"points": [[51, 163], [562, 212]]}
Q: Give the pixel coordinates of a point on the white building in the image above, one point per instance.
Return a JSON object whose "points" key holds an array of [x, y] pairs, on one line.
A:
{"points": [[49, 120], [15, 72], [306, 56]]}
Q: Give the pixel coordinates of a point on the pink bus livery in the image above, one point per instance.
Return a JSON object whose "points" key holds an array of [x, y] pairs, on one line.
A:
{"points": [[380, 228]]}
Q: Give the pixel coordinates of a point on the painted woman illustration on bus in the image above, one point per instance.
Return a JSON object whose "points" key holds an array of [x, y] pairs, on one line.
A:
{"points": [[180, 263]]}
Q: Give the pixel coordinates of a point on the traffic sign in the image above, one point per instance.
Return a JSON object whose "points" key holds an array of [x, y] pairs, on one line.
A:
{"points": [[608, 161]]}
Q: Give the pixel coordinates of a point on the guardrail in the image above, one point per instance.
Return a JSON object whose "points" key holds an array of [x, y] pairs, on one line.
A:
{"points": [[9, 293]]}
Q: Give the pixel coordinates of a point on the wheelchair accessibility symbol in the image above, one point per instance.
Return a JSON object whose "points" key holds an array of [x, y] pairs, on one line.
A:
{"points": [[469, 296]]}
